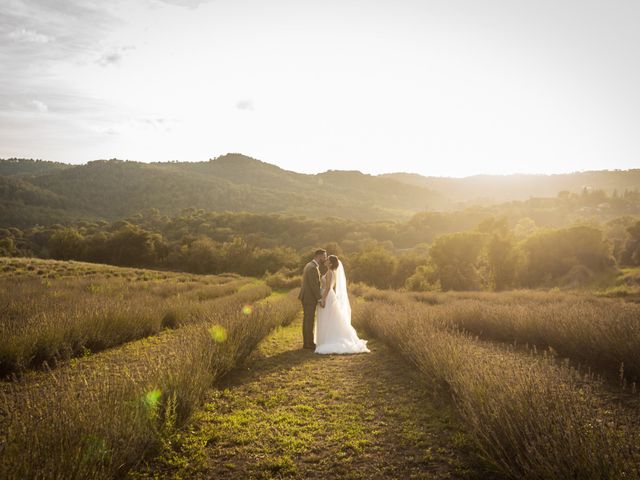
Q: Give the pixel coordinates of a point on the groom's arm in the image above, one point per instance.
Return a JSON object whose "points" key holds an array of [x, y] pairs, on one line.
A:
{"points": [[314, 281]]}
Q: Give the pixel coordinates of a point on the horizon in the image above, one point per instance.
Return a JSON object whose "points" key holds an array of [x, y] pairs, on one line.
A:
{"points": [[515, 174], [436, 88], [391, 172]]}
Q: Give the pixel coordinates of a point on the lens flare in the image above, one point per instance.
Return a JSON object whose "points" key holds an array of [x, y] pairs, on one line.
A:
{"points": [[151, 402], [218, 333], [152, 398], [247, 309]]}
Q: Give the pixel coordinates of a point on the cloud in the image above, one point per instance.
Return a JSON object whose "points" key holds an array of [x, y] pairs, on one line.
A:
{"points": [[41, 42], [151, 124], [245, 105], [114, 56], [25, 35], [42, 31], [40, 106], [163, 124], [50, 106], [110, 59]]}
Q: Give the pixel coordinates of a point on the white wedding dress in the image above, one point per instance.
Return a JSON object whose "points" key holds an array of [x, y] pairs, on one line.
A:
{"points": [[333, 332]]}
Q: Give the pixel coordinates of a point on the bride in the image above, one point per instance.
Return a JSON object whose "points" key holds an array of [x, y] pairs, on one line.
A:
{"points": [[334, 333]]}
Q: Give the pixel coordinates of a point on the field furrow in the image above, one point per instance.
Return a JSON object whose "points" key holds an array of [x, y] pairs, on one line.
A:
{"points": [[85, 309], [289, 413], [601, 333], [97, 416], [530, 416]]}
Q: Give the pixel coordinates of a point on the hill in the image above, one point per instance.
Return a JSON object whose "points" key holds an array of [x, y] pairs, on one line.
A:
{"points": [[36, 192], [503, 188], [111, 189], [27, 166]]}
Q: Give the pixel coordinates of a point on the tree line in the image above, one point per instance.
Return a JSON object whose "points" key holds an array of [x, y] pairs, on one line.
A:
{"points": [[464, 250]]}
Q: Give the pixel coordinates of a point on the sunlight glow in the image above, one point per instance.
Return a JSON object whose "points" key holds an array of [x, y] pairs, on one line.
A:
{"points": [[438, 88], [218, 333]]}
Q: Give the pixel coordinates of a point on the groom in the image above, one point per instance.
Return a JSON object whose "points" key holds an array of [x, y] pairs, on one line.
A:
{"points": [[310, 296]]}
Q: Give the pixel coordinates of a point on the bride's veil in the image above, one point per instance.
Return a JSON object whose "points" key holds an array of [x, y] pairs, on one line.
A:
{"points": [[342, 295]]}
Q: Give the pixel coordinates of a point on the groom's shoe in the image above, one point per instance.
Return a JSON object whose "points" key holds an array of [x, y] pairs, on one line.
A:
{"points": [[310, 347]]}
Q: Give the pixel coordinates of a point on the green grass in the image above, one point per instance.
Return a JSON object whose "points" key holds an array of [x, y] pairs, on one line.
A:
{"points": [[288, 413]]}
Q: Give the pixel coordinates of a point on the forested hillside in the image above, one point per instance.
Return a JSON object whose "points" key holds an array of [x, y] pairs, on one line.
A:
{"points": [[466, 250], [113, 189], [36, 192], [503, 188], [237, 214], [24, 166]]}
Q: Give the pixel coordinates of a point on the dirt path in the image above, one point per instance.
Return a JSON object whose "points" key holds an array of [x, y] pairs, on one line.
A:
{"points": [[289, 413]]}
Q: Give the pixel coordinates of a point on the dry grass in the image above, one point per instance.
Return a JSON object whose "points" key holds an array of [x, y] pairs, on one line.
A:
{"points": [[37, 267], [281, 281], [530, 416], [84, 308], [599, 332], [98, 416]]}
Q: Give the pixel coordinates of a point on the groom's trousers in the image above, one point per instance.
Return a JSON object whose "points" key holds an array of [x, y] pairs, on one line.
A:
{"points": [[309, 310]]}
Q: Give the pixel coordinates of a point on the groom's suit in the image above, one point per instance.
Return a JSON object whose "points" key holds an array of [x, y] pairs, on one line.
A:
{"points": [[309, 296]]}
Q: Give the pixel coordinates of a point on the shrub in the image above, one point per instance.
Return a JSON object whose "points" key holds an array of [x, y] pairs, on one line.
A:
{"points": [[99, 416], [280, 281], [529, 416]]}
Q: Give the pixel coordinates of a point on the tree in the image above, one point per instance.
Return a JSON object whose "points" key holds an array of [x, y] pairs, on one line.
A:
{"points": [[408, 263], [236, 255], [271, 260], [8, 247], [455, 259], [132, 246], [618, 235], [502, 259], [423, 279], [97, 248], [203, 255], [66, 244], [494, 225], [551, 254], [631, 251], [375, 266]]}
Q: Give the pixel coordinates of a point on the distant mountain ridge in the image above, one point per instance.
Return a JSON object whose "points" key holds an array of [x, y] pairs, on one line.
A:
{"points": [[40, 192], [503, 188], [112, 189], [28, 166]]}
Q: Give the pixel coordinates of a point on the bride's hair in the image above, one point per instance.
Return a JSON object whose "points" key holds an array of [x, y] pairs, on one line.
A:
{"points": [[334, 262]]}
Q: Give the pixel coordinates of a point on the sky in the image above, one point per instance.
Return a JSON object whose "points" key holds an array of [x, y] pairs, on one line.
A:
{"points": [[436, 87]]}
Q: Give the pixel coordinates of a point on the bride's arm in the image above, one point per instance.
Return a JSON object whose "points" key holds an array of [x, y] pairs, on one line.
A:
{"points": [[327, 286]]}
